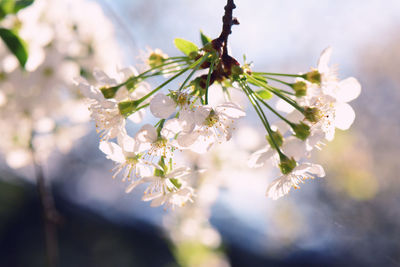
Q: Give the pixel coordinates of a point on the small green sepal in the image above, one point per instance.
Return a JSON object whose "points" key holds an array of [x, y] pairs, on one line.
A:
{"points": [[301, 130], [127, 108], [278, 138], [300, 88], [313, 76], [311, 114], [287, 164]]}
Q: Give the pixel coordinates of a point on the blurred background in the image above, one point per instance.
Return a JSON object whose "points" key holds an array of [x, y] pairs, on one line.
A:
{"points": [[349, 218]]}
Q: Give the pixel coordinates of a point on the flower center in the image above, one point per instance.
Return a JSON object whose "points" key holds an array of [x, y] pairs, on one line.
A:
{"points": [[211, 119]]}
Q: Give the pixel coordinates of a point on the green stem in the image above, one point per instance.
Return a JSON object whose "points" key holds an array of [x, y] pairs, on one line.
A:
{"points": [[197, 62], [144, 106], [193, 71], [277, 80], [208, 80], [271, 108], [142, 75], [276, 92], [279, 74], [261, 114]]}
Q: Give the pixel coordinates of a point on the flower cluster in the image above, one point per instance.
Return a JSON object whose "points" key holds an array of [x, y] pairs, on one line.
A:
{"points": [[38, 109], [316, 104], [186, 123]]}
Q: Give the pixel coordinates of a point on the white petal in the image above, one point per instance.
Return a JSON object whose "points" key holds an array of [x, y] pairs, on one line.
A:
{"points": [[178, 173], [133, 185], [162, 106], [113, 151], [171, 128], [282, 105], [186, 117], [294, 147], [348, 90], [258, 158], [103, 78], [87, 90], [311, 168], [201, 113], [344, 116], [158, 201], [230, 110], [147, 134], [317, 170], [315, 138], [279, 187], [127, 143], [295, 116], [187, 139], [137, 117], [324, 60]]}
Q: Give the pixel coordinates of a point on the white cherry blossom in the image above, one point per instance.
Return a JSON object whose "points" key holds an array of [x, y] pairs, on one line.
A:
{"points": [[211, 125], [282, 185], [127, 157], [166, 189]]}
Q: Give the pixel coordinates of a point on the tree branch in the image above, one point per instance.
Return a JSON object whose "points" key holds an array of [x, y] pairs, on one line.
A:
{"points": [[228, 21], [50, 215]]}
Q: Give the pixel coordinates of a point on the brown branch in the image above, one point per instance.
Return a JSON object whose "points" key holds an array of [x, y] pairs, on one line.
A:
{"points": [[50, 215], [228, 21], [226, 63]]}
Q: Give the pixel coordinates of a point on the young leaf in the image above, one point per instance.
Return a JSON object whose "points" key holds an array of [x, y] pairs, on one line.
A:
{"points": [[204, 38], [12, 6], [185, 46], [264, 94], [15, 45], [20, 4]]}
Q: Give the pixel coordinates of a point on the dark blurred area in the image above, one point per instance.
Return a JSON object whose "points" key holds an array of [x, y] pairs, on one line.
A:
{"points": [[88, 239]]}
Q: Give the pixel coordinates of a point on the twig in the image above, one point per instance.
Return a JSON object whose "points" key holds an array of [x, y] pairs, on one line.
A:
{"points": [[227, 21], [50, 214]]}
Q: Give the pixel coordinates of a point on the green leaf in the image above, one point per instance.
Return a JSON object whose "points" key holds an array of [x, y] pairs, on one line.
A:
{"points": [[13, 6], [185, 46], [264, 94], [15, 45], [21, 4], [204, 38]]}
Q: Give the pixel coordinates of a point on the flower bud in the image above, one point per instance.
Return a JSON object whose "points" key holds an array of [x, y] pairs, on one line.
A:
{"points": [[313, 76], [301, 130], [300, 88], [286, 164], [311, 114]]}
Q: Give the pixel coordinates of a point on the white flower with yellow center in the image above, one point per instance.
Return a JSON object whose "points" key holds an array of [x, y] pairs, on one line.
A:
{"points": [[127, 157], [109, 121], [211, 125], [334, 96], [156, 144], [282, 185], [169, 189]]}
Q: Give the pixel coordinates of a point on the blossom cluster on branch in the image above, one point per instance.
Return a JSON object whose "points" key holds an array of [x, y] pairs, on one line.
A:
{"points": [[311, 105]]}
